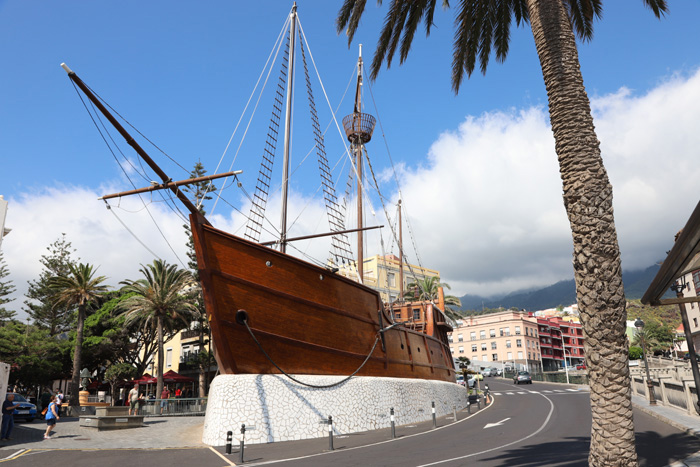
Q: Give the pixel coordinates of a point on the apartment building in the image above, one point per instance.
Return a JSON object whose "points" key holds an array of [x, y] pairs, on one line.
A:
{"points": [[509, 337], [518, 339], [689, 282], [382, 274]]}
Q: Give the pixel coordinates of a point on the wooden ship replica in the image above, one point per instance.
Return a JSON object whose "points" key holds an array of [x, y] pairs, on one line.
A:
{"points": [[271, 313]]}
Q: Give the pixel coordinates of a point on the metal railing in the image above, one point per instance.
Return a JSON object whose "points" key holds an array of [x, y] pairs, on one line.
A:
{"points": [[173, 407]]}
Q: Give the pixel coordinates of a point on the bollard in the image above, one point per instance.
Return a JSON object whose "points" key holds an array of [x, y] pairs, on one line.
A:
{"points": [[240, 457], [330, 433], [393, 425], [469, 408], [454, 413], [434, 419], [229, 437]]}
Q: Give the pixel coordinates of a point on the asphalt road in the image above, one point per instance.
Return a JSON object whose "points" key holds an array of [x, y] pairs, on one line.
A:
{"points": [[529, 425]]}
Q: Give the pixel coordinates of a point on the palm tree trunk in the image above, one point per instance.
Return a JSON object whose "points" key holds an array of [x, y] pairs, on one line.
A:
{"points": [[159, 384], [77, 358], [588, 202]]}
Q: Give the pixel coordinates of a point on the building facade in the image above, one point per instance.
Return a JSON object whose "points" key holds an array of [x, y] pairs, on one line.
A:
{"points": [[509, 338], [518, 339], [691, 279], [382, 274]]}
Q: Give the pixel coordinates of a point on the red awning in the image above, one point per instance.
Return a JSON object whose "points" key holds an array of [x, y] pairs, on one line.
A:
{"points": [[173, 377]]}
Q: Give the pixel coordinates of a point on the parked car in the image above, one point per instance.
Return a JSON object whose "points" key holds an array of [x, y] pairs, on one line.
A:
{"points": [[687, 357], [25, 410], [488, 372], [499, 372], [460, 380], [581, 366], [522, 377], [471, 382], [478, 376]]}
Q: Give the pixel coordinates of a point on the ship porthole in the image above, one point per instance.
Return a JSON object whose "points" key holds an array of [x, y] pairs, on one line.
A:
{"points": [[268, 263], [402, 346], [418, 349]]}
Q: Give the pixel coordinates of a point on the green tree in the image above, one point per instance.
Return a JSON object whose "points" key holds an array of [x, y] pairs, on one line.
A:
{"points": [[78, 289], [160, 301], [426, 289], [635, 352], [6, 288], [199, 192], [118, 373], [40, 305], [482, 26], [35, 357]]}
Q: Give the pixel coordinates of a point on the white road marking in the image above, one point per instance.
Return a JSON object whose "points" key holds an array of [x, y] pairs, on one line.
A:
{"points": [[16, 454], [547, 392], [490, 425]]}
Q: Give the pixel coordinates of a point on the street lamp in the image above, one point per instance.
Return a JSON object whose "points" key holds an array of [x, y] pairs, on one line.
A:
{"points": [[639, 324]]}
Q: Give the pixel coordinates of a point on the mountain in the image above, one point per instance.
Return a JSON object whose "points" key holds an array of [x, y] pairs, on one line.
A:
{"points": [[562, 293]]}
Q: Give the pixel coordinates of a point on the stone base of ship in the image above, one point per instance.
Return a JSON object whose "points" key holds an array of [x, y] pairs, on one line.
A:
{"points": [[275, 408]]}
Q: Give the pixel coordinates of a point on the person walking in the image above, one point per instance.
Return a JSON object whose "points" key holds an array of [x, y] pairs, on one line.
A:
{"points": [[8, 420], [51, 417]]}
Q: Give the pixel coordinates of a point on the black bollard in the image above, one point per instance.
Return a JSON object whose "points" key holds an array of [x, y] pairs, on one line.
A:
{"points": [[240, 457], [434, 419], [229, 437], [330, 433], [393, 425], [469, 408]]}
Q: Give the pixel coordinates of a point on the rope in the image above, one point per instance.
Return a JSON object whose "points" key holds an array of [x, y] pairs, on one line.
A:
{"points": [[317, 386]]}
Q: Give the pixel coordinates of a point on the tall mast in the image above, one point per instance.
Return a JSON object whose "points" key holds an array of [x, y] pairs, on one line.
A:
{"points": [[358, 128], [358, 162], [287, 129], [400, 256]]}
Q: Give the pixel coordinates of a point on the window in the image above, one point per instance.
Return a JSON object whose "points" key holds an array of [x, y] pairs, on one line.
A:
{"points": [[494, 357], [510, 356], [507, 331], [520, 355], [535, 332], [508, 344], [392, 279], [482, 334], [501, 332], [169, 358], [519, 342], [460, 338], [695, 322], [416, 313], [473, 347], [484, 358], [528, 356], [449, 338], [483, 346], [492, 332], [517, 330], [527, 331], [397, 315], [472, 336], [493, 346], [461, 349]]}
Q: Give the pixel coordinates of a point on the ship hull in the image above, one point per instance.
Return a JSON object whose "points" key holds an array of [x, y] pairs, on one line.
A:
{"points": [[307, 319]]}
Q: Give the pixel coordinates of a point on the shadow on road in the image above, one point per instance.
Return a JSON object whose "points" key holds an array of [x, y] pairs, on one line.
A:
{"points": [[653, 450]]}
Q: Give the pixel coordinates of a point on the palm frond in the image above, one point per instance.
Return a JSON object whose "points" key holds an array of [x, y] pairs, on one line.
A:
{"points": [[659, 7]]}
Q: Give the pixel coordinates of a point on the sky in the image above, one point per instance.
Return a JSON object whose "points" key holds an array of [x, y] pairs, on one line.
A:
{"points": [[477, 171]]}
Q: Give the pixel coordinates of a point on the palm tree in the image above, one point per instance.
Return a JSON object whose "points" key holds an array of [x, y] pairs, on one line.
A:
{"points": [[481, 25], [160, 300], [427, 289], [79, 288]]}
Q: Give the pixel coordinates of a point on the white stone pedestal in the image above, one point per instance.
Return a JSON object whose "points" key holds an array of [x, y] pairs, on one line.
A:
{"points": [[275, 408]]}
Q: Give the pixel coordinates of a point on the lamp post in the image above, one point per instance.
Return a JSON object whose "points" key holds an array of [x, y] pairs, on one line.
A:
{"points": [[639, 324]]}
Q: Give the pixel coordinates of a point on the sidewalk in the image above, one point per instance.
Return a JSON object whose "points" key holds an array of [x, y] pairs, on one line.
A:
{"points": [[170, 432], [674, 417]]}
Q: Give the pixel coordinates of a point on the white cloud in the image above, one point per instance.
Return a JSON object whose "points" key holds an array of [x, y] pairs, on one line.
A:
{"points": [[485, 206]]}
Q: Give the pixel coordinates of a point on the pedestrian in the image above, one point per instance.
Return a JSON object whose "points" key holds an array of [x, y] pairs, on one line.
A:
{"points": [[164, 396], [8, 420], [178, 393], [134, 400], [45, 398], [52, 417]]}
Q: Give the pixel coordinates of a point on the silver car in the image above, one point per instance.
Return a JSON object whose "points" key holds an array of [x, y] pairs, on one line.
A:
{"points": [[522, 377]]}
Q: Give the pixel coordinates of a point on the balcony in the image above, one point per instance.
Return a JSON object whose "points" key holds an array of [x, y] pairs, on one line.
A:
{"points": [[190, 333]]}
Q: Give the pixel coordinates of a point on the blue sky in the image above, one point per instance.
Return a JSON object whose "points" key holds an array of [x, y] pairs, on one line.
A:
{"points": [[478, 170]]}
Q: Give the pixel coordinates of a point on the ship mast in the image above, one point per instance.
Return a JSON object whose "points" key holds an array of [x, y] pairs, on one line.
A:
{"points": [[358, 128], [400, 256], [287, 129]]}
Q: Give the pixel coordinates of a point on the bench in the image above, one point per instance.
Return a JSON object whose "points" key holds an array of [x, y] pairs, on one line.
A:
{"points": [[111, 418]]}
